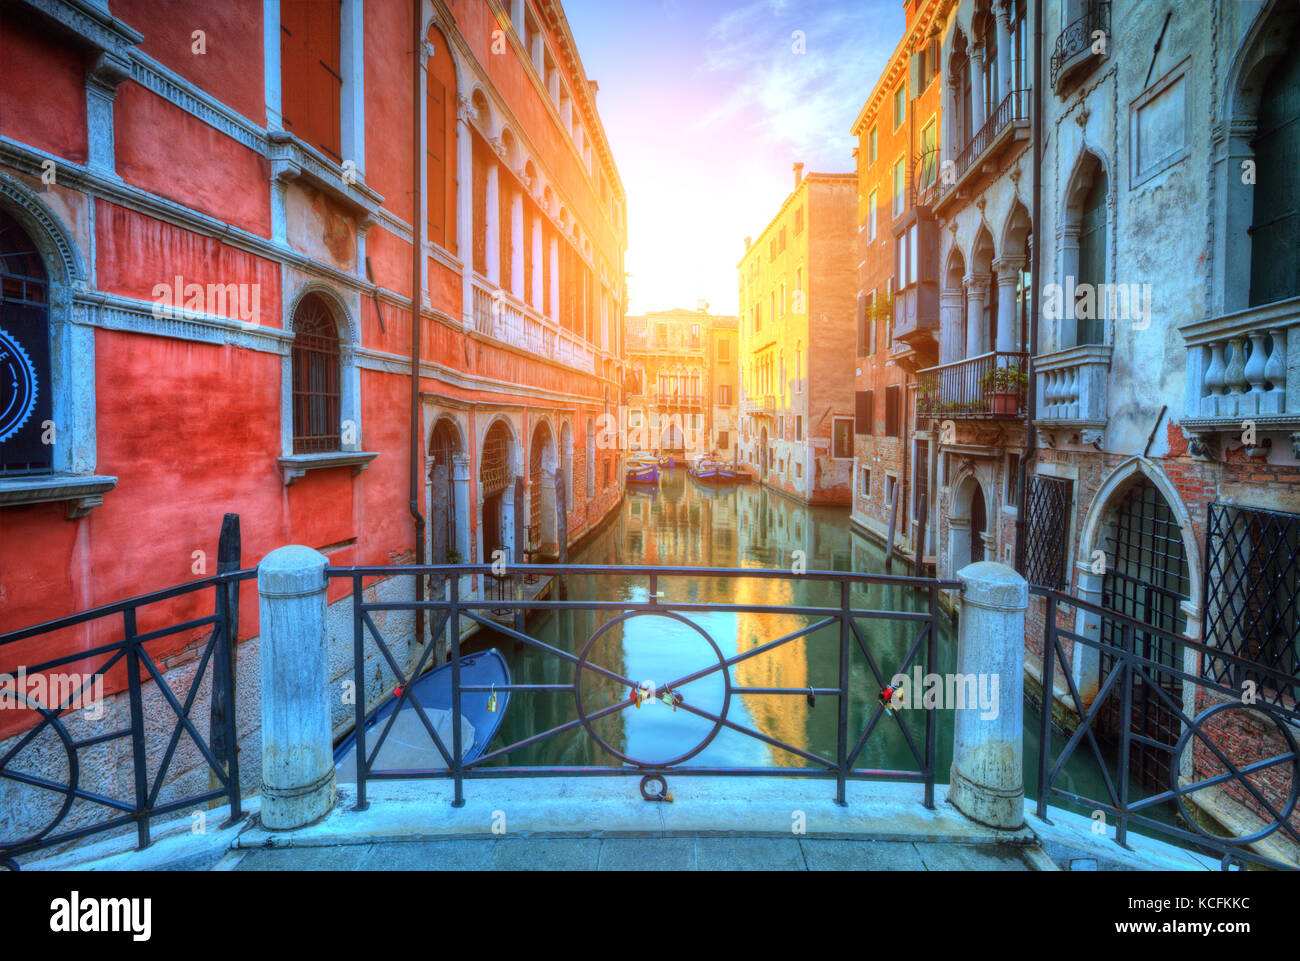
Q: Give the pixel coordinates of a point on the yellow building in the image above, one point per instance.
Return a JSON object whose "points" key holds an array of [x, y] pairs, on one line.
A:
{"points": [[798, 297], [681, 384]]}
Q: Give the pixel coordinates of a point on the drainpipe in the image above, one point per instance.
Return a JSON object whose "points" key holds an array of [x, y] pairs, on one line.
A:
{"points": [[1035, 259], [417, 300]]}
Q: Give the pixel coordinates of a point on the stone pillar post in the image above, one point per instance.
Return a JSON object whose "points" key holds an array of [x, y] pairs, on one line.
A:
{"points": [[1085, 658], [297, 748], [988, 740], [977, 108]]}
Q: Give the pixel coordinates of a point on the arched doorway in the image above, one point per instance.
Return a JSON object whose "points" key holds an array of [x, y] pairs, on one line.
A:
{"points": [[26, 390], [495, 476], [1146, 578], [967, 521], [444, 445], [542, 540]]}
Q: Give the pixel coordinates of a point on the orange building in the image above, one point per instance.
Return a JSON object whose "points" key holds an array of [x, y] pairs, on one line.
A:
{"points": [[898, 306], [226, 230]]}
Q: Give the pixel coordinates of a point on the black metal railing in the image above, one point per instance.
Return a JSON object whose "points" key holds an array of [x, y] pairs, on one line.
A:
{"points": [[845, 619], [1225, 744], [1078, 35], [43, 743], [990, 385], [1013, 108], [925, 178], [1049, 501]]}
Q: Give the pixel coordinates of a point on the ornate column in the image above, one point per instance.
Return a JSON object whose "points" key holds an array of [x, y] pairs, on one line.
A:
{"points": [[1008, 269], [977, 107], [977, 286], [1003, 18], [950, 326]]}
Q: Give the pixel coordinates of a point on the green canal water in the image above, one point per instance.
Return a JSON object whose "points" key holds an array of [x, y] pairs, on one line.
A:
{"points": [[683, 524]]}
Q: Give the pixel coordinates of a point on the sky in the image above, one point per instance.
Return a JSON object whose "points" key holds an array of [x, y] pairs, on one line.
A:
{"points": [[708, 105]]}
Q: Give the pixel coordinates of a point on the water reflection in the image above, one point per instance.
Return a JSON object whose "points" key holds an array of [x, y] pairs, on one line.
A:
{"points": [[679, 524]]}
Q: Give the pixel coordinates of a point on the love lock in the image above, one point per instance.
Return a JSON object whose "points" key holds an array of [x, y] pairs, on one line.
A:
{"points": [[659, 793]]}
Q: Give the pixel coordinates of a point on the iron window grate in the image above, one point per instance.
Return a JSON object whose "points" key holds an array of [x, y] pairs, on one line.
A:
{"points": [[1252, 578], [1048, 501]]}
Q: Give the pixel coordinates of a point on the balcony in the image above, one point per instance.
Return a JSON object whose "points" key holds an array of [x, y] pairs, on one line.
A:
{"points": [[925, 179], [1008, 123], [1071, 389], [1072, 57], [497, 315], [989, 387], [1244, 366], [769, 404], [676, 401]]}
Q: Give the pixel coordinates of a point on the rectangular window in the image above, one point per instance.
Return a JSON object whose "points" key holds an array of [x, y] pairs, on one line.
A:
{"points": [[866, 482], [1010, 496], [872, 204], [871, 147], [1048, 502], [798, 427], [1252, 580], [724, 350], [899, 186], [842, 437], [798, 220], [724, 441], [891, 488], [929, 155], [912, 276], [724, 394], [893, 411], [867, 324], [864, 412], [311, 73], [900, 105]]}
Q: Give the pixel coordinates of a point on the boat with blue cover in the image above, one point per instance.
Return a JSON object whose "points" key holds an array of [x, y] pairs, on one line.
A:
{"points": [[408, 746], [642, 470]]}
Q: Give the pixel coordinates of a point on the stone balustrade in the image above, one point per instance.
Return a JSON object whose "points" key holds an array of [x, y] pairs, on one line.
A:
{"points": [[1245, 365], [1072, 387], [499, 316]]}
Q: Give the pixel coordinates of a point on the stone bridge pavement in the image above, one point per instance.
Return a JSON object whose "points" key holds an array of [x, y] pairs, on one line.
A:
{"points": [[603, 824]]}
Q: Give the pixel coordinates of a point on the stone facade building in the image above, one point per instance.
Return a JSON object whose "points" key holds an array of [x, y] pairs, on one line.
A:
{"points": [[676, 381], [224, 230], [798, 289], [1165, 484], [898, 132]]}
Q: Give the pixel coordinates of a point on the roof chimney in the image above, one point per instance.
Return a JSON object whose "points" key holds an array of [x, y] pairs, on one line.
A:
{"points": [[702, 305], [798, 173], [748, 241]]}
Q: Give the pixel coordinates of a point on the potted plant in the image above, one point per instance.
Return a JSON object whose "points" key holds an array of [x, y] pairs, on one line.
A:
{"points": [[1003, 387]]}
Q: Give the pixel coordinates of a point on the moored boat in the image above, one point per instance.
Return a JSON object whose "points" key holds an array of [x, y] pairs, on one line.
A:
{"points": [[643, 470], [712, 470], [408, 746]]}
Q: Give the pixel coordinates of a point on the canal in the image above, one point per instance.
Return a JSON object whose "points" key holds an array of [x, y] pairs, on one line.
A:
{"points": [[683, 524]]}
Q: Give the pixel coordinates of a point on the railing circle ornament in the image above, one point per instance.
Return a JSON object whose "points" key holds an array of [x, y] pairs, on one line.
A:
{"points": [[1237, 777], [586, 720], [9, 699]]}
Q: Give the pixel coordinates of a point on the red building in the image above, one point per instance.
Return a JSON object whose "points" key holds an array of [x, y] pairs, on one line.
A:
{"points": [[216, 224]]}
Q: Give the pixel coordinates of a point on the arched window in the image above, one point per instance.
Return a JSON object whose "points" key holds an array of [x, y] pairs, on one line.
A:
{"points": [[1275, 231], [440, 101], [26, 387], [316, 378], [1092, 258]]}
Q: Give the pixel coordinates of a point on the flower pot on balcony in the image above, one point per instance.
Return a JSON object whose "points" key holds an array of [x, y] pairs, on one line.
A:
{"points": [[1003, 401]]}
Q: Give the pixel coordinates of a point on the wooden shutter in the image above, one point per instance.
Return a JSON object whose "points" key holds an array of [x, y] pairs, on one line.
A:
{"points": [[863, 412], [436, 110], [311, 80]]}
